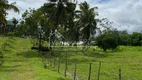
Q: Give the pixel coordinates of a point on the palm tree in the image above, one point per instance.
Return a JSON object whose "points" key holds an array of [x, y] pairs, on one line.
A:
{"points": [[87, 21], [60, 13], [60, 9], [4, 6]]}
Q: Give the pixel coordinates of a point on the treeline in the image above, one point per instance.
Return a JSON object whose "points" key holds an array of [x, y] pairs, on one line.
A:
{"points": [[123, 38], [110, 39], [134, 39]]}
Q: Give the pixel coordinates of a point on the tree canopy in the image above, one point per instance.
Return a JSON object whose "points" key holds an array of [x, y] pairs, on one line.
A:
{"points": [[63, 17]]}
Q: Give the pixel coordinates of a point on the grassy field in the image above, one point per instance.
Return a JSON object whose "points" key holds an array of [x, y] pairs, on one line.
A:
{"points": [[127, 58], [21, 63]]}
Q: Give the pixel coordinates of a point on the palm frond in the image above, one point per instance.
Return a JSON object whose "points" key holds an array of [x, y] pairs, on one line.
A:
{"points": [[53, 0], [11, 7]]}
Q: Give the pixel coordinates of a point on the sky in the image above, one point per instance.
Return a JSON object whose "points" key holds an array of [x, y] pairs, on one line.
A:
{"points": [[125, 14]]}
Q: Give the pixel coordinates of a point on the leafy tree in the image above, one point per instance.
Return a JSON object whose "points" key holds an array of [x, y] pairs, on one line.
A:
{"points": [[106, 41], [125, 38], [136, 39], [36, 25], [21, 30], [14, 23]]}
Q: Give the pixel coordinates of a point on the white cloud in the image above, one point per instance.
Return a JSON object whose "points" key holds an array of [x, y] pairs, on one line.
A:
{"points": [[126, 14], [23, 5]]}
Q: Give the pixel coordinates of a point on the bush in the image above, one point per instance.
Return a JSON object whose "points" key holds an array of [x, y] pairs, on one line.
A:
{"points": [[106, 41], [10, 34]]}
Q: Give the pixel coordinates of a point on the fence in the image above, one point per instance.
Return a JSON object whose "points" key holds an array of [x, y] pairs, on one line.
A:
{"points": [[62, 66]]}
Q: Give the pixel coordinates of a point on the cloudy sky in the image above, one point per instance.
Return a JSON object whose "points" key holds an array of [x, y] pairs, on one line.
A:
{"points": [[126, 14]]}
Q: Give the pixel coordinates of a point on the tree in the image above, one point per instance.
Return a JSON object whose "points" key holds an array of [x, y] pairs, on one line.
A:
{"points": [[60, 14], [87, 21], [4, 6], [136, 39], [125, 38], [14, 23], [106, 41], [36, 25], [71, 29]]}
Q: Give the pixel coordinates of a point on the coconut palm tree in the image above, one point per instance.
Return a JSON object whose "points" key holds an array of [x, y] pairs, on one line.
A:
{"points": [[61, 9], [87, 21], [58, 13], [4, 6]]}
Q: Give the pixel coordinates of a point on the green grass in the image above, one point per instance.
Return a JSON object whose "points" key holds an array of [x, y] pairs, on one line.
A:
{"points": [[21, 63], [129, 59]]}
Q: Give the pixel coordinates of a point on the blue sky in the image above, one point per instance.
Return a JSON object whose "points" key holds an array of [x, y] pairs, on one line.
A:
{"points": [[126, 14]]}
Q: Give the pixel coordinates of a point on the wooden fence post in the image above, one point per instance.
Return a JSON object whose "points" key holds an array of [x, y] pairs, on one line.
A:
{"points": [[99, 71], [89, 77], [75, 71], [66, 67], [120, 74], [59, 65], [66, 62], [54, 63]]}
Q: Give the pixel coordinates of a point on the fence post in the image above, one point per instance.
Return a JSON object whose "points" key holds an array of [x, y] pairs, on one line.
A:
{"points": [[50, 62], [54, 63], [66, 62], [59, 65], [75, 71], [120, 74], [66, 65], [99, 70], [90, 66]]}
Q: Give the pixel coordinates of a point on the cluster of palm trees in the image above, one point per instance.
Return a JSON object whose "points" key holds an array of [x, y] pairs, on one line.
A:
{"points": [[4, 6], [78, 24]]}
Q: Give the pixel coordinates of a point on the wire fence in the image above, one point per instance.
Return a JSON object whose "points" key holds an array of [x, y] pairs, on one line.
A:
{"points": [[72, 68]]}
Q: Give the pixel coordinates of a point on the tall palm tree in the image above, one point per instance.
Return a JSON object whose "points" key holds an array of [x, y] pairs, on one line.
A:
{"points": [[58, 13], [61, 9], [87, 21], [4, 6]]}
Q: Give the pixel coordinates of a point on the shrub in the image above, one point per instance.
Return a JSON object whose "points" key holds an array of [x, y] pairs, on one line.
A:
{"points": [[10, 34], [106, 41]]}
